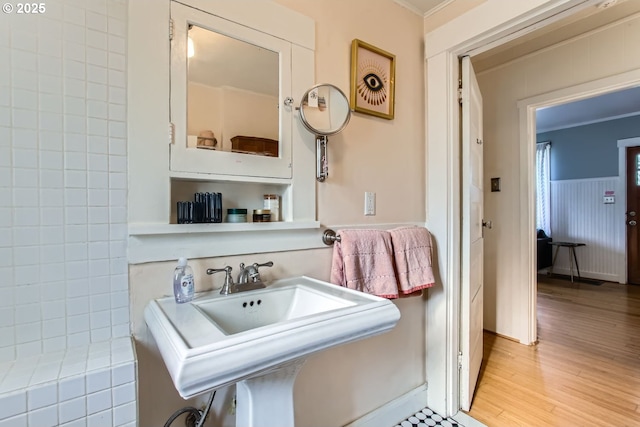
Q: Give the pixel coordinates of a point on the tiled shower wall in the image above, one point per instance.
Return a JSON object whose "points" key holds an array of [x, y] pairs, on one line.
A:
{"points": [[63, 177], [65, 353]]}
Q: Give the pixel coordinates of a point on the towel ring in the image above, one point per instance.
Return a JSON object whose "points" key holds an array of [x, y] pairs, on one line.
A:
{"points": [[329, 237]]}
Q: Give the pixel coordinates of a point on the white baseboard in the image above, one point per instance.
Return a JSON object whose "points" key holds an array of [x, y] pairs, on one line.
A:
{"points": [[395, 411], [589, 275]]}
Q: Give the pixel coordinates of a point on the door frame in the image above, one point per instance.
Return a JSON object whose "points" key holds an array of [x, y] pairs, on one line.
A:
{"points": [[527, 113], [623, 144], [488, 25]]}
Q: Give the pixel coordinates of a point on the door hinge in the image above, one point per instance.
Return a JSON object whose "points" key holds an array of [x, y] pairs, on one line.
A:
{"points": [[460, 95], [170, 29], [172, 132], [459, 360]]}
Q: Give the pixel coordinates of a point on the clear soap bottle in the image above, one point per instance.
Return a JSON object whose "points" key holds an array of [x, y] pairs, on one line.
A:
{"points": [[183, 283]]}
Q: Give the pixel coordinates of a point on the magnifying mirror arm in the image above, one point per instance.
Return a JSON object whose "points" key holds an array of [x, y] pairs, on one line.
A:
{"points": [[324, 111], [322, 162]]}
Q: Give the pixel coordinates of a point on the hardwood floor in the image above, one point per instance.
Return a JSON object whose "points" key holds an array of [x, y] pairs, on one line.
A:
{"points": [[585, 370]]}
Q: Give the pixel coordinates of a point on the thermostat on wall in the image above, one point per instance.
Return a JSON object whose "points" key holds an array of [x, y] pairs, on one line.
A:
{"points": [[609, 197]]}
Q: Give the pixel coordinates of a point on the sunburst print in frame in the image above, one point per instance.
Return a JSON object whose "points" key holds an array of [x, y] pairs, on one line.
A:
{"points": [[372, 80]]}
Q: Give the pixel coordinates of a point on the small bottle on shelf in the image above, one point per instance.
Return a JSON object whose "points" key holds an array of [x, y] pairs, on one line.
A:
{"points": [[272, 203], [261, 215], [183, 283], [236, 215]]}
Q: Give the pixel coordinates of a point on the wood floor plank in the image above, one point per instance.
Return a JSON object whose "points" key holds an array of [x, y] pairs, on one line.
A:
{"points": [[598, 404], [584, 371]]}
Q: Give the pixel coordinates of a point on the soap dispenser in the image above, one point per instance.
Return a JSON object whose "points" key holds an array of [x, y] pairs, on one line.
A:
{"points": [[183, 283]]}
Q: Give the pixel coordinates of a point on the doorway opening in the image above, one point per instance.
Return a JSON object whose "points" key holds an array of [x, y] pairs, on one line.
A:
{"points": [[487, 27], [585, 196], [528, 121]]}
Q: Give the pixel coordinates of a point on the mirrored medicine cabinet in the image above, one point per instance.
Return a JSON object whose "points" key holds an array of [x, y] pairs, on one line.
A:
{"points": [[231, 130], [229, 83], [233, 83]]}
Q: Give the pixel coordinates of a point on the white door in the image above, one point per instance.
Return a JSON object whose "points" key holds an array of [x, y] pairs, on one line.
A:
{"points": [[472, 243]]}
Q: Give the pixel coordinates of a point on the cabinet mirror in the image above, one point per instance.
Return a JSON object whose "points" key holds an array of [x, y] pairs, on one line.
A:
{"points": [[228, 83], [232, 95]]}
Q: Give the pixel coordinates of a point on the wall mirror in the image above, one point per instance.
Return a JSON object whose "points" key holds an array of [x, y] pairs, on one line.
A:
{"points": [[232, 95], [324, 111], [228, 85]]}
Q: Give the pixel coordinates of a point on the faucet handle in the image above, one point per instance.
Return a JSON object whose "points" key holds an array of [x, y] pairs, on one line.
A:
{"points": [[227, 269], [228, 286], [255, 274], [266, 264]]}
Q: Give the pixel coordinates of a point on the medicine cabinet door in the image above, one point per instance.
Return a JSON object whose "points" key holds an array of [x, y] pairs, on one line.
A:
{"points": [[228, 83]]}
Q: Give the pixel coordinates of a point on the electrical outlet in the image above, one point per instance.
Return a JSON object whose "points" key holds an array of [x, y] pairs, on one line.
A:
{"points": [[369, 203]]}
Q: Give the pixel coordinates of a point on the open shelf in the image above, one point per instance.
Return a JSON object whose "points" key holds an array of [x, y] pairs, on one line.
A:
{"points": [[160, 229]]}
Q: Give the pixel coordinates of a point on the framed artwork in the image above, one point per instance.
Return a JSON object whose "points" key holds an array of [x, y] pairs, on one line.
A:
{"points": [[372, 80]]}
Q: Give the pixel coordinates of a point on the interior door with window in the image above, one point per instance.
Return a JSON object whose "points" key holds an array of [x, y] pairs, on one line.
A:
{"points": [[471, 295], [633, 211]]}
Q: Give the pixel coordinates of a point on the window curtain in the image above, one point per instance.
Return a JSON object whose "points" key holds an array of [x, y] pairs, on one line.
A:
{"points": [[543, 222]]}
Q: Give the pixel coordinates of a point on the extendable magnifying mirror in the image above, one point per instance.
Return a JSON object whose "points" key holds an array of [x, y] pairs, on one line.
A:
{"points": [[324, 111]]}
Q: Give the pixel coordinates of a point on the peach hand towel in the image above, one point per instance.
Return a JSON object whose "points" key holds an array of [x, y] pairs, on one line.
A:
{"points": [[412, 255], [363, 260]]}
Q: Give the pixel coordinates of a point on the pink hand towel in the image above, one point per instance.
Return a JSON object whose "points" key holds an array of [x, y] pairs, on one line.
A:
{"points": [[363, 260], [412, 255]]}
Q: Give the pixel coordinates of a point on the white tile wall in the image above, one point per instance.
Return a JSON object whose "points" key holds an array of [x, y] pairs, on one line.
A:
{"points": [[63, 170], [65, 355], [92, 385]]}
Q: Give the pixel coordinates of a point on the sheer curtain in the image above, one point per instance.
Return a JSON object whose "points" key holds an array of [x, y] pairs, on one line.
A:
{"points": [[542, 187]]}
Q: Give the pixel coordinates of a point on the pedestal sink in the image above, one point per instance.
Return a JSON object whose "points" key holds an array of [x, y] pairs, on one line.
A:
{"points": [[259, 340]]}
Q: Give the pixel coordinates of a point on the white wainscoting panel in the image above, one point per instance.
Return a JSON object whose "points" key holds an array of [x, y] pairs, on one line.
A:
{"points": [[578, 214]]}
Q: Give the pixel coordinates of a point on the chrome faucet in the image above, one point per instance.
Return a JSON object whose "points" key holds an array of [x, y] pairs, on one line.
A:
{"points": [[250, 274], [248, 278]]}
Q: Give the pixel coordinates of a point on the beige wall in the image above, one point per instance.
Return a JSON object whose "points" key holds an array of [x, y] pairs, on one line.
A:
{"points": [[248, 114], [204, 106], [372, 154], [439, 17], [599, 54]]}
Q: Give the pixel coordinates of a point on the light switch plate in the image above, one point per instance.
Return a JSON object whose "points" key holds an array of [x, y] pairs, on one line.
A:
{"points": [[369, 203]]}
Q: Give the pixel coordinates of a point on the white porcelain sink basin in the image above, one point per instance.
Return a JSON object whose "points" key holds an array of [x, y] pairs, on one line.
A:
{"points": [[255, 310], [218, 340]]}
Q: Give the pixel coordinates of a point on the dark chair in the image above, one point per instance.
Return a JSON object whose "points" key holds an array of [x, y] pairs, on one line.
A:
{"points": [[544, 250]]}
